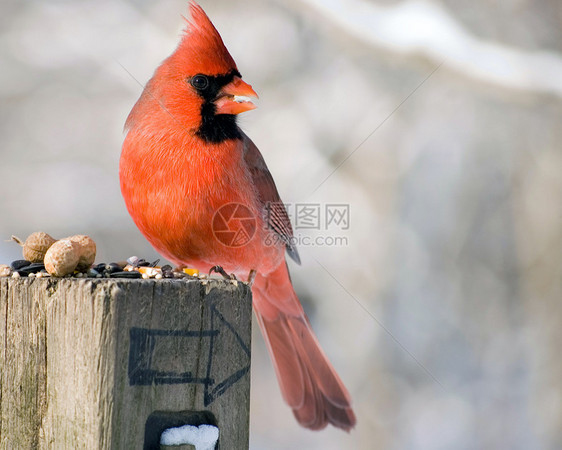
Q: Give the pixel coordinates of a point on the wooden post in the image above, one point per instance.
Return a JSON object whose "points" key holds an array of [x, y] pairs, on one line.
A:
{"points": [[111, 363]]}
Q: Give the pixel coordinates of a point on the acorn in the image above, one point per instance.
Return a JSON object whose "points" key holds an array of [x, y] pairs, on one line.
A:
{"points": [[87, 251], [35, 246], [62, 257]]}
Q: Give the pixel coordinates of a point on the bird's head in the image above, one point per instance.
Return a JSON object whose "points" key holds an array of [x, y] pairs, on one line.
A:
{"points": [[199, 84]]}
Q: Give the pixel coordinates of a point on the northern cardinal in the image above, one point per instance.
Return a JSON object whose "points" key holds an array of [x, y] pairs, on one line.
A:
{"points": [[183, 160]]}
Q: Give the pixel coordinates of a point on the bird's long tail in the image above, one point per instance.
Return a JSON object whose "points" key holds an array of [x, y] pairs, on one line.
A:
{"points": [[309, 383]]}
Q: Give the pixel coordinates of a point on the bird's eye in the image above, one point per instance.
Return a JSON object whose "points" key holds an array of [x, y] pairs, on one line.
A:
{"points": [[200, 82]]}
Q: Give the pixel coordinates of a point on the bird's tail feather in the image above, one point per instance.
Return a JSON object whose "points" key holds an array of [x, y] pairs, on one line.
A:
{"points": [[309, 383]]}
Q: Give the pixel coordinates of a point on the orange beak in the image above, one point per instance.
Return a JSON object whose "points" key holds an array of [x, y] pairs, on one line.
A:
{"points": [[234, 97]]}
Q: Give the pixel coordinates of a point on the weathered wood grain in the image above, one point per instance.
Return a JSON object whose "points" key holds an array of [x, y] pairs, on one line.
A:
{"points": [[109, 364]]}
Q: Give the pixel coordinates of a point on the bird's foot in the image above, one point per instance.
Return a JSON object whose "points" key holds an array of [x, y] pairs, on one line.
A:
{"points": [[219, 269], [251, 277]]}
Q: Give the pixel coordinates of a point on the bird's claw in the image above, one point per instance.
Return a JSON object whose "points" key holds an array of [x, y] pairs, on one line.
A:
{"points": [[219, 269], [251, 277]]}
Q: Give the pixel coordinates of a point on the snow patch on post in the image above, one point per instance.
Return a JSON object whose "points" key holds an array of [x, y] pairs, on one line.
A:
{"points": [[203, 437]]}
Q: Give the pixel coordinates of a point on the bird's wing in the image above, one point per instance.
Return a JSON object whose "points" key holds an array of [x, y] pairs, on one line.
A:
{"points": [[273, 208]]}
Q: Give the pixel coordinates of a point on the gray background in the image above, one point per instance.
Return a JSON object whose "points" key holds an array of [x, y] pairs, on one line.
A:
{"points": [[442, 313]]}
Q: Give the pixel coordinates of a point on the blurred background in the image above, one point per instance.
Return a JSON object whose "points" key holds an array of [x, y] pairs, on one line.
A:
{"points": [[437, 124]]}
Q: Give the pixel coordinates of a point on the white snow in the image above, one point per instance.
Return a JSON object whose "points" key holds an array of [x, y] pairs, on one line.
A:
{"points": [[204, 437]]}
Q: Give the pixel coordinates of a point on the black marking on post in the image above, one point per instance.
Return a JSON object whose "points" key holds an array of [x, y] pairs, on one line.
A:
{"points": [[141, 355], [210, 395]]}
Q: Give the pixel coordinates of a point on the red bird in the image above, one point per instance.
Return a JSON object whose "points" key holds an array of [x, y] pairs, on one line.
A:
{"points": [[184, 158]]}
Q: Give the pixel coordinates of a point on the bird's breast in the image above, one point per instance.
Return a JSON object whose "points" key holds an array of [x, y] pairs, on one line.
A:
{"points": [[195, 203]]}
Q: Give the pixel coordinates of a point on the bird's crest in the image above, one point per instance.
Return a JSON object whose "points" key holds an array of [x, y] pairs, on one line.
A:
{"points": [[201, 49]]}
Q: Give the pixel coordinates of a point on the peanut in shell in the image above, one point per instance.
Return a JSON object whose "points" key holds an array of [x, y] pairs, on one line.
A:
{"points": [[87, 251], [62, 257], [35, 246]]}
